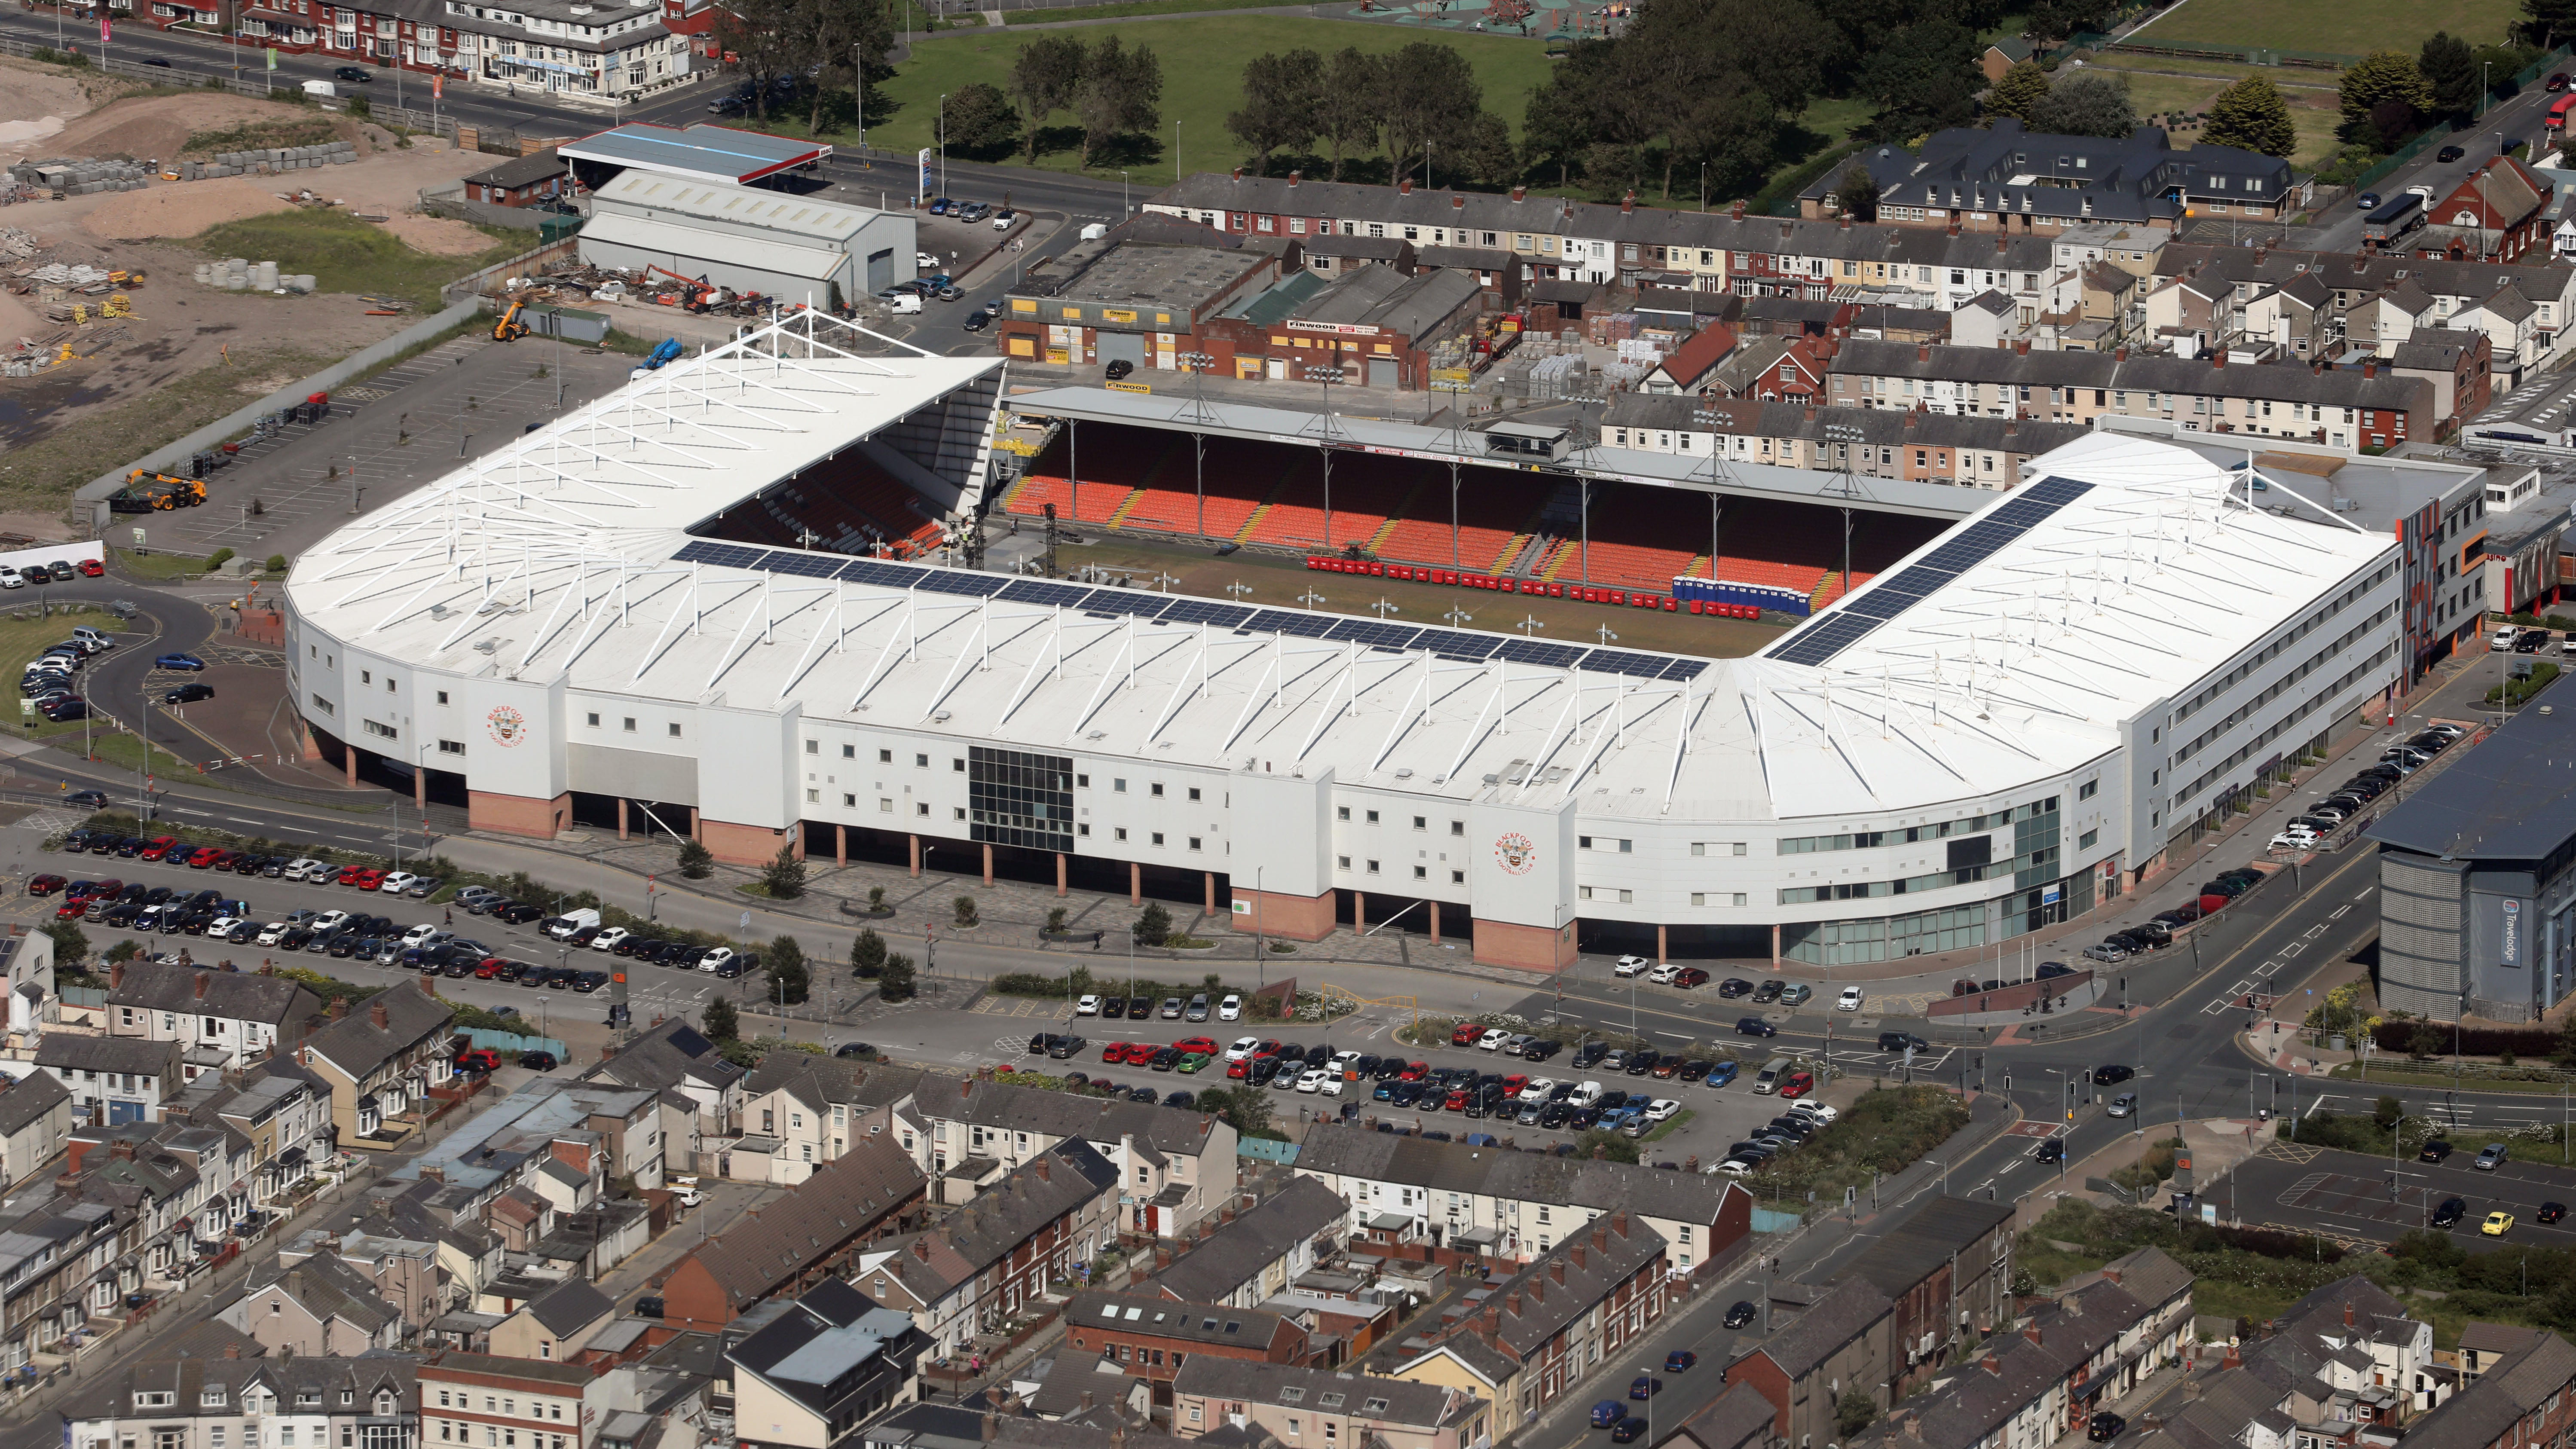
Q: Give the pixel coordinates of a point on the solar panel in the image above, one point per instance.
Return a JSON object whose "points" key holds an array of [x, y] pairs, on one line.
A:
{"points": [[871, 571], [1289, 622], [1685, 668], [959, 581], [1039, 591], [1614, 661], [1374, 634], [1452, 644], [1110, 601], [1203, 611], [1540, 652], [723, 555], [1848, 623], [803, 565]]}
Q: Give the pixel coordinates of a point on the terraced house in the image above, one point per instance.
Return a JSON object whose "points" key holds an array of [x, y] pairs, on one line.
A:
{"points": [[552, 45], [221, 1019], [213, 1389], [1517, 1205], [984, 1262], [379, 1063], [1174, 1166]]}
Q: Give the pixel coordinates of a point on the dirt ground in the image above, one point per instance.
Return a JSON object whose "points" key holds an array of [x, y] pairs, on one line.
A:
{"points": [[36, 102]]}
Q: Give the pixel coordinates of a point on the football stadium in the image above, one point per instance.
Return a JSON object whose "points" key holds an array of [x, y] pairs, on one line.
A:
{"points": [[731, 601]]}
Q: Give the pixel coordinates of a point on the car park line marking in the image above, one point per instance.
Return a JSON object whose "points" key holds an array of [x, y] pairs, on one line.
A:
{"points": [[2337, 913], [2313, 932], [2294, 948]]}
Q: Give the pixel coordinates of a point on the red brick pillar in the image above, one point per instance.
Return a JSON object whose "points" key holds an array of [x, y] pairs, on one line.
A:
{"points": [[840, 845], [1435, 922], [988, 864], [348, 759], [621, 817], [1359, 914], [419, 788], [1208, 884], [1059, 874], [1659, 946], [697, 828], [1135, 883], [916, 854]]}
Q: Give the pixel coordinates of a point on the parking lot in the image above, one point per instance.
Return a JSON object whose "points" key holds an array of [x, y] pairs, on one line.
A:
{"points": [[2368, 1199]]}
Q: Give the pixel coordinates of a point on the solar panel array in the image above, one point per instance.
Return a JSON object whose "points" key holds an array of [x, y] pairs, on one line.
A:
{"points": [[1889, 596], [1177, 610]]}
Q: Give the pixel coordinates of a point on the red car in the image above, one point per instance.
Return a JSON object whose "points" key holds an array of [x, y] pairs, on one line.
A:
{"points": [[369, 879], [348, 875], [490, 968], [1691, 976], [477, 1059], [1457, 1099], [71, 910], [1140, 1053], [109, 888], [203, 856], [1243, 1068], [1513, 1083], [1466, 1033], [1201, 1044], [1114, 1053], [1799, 1084], [45, 885], [1415, 1071], [160, 847], [90, 568]]}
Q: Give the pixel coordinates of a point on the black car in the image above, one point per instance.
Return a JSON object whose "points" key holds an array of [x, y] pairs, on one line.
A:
{"points": [[2106, 1426], [1643, 1062], [1897, 1041], [2434, 1151], [1755, 1026], [1119, 369], [518, 915], [189, 693], [1140, 1008], [855, 1049], [352, 73], [2104, 1076], [2052, 1150], [977, 320], [1741, 1314], [1590, 1052], [1539, 1051], [538, 1061], [1733, 987], [1768, 992], [2550, 1212], [2048, 969], [87, 799], [1113, 1008], [2449, 153], [1693, 1071], [2450, 1212]]}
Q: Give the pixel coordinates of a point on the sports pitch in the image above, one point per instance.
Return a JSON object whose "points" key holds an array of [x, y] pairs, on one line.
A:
{"points": [[2329, 27]]}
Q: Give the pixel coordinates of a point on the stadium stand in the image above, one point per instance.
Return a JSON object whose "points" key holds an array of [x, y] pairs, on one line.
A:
{"points": [[1496, 513], [846, 505], [1239, 474]]}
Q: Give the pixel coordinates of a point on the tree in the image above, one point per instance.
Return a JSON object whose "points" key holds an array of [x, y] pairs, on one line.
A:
{"points": [[2451, 71], [845, 38], [122, 952], [2088, 103], [867, 953], [784, 876], [1857, 192], [2386, 1111], [767, 40], [1347, 117], [1044, 77], [71, 944], [1153, 925], [1854, 1411], [2251, 116], [790, 980], [1283, 99], [1246, 1109], [1565, 115], [720, 1022], [2426, 1042], [2382, 75], [1923, 78], [963, 909], [2392, 121], [1120, 94], [2546, 22], [1486, 153], [982, 123], [2022, 88], [1431, 99], [2056, 20], [897, 983], [695, 862]]}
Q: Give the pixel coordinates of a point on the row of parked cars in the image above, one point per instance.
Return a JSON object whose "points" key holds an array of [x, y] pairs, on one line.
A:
{"points": [[1141, 1008], [2354, 795], [57, 572], [1788, 1132], [53, 677]]}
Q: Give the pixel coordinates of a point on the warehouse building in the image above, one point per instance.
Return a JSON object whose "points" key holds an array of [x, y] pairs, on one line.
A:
{"points": [[749, 238]]}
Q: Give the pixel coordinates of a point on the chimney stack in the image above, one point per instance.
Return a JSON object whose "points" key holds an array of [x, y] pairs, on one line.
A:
{"points": [[1493, 1320], [1086, 1401], [1518, 192], [2119, 354], [993, 1421], [377, 1017], [121, 1150], [1238, 175], [2347, 1313], [1512, 1303], [1619, 1222], [115, 975], [1846, 222], [1556, 1270], [233, 1349], [1923, 352], [2370, 369], [2218, 358], [201, 986], [921, 1249], [2001, 242], [429, 987], [1294, 177], [1162, 1256], [1046, 1170], [1404, 187], [2021, 347], [1628, 203], [1457, 202], [2031, 1333]]}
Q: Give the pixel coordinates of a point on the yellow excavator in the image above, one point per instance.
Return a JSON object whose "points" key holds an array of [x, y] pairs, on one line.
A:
{"points": [[149, 492], [510, 328]]}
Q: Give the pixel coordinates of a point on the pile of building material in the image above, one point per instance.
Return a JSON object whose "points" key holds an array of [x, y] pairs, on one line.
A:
{"points": [[17, 245], [240, 274], [82, 178], [268, 160]]}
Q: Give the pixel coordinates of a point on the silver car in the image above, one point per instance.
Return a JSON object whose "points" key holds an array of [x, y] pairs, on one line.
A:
{"points": [[2124, 1104]]}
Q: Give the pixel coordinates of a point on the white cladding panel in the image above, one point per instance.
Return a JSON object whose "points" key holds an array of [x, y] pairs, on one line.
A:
{"points": [[1524, 862], [1283, 833]]}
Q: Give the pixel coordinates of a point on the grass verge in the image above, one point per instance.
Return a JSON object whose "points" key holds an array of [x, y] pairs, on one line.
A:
{"points": [[2383, 1076], [257, 135], [350, 256]]}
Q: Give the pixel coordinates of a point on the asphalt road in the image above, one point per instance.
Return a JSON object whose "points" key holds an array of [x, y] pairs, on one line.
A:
{"points": [[2370, 1199], [2338, 229]]}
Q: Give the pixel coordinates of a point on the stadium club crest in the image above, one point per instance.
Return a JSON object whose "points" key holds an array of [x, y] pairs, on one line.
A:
{"points": [[1515, 852], [508, 726]]}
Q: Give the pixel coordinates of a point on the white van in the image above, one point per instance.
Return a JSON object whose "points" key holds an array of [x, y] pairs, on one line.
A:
{"points": [[1768, 1079], [571, 921], [1585, 1095], [320, 88]]}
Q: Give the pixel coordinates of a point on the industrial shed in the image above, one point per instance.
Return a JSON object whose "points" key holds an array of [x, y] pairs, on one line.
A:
{"points": [[749, 239]]}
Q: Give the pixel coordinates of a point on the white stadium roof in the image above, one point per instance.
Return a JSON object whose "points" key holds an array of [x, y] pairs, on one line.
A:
{"points": [[2010, 650]]}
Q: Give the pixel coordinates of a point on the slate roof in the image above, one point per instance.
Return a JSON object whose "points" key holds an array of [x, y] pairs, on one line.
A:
{"points": [[2137, 177], [2014, 1370], [2510, 799], [666, 1059], [24, 1102], [62, 1051], [1733, 1420], [1753, 417], [1063, 1114], [1002, 1217], [2436, 349], [2496, 1338], [574, 1305], [2147, 1274], [1597, 1186], [279, 1001], [2359, 276], [1250, 1330], [2281, 382], [845, 1197], [1922, 1243], [1256, 1238], [520, 170], [1409, 1405], [328, 1288], [1848, 1310], [358, 1047], [1551, 1294], [813, 1351]]}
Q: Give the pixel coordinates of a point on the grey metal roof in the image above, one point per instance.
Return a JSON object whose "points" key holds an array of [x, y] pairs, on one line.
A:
{"points": [[1389, 1401], [1239, 1250], [1929, 1237], [708, 153], [2485, 1412], [2510, 798], [1848, 1310]]}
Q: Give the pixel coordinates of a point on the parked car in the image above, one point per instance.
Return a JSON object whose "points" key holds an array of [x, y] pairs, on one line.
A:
{"points": [[2105, 1427], [179, 661]]}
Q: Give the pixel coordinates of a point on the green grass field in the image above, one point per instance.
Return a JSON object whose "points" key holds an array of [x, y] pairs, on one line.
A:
{"points": [[347, 255], [1203, 59], [2312, 107], [2331, 27]]}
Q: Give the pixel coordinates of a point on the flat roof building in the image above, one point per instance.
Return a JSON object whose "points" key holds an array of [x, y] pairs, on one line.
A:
{"points": [[748, 238], [690, 153]]}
